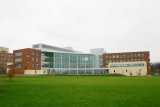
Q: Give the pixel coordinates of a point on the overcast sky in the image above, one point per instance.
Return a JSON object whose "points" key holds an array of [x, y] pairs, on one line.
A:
{"points": [[115, 25]]}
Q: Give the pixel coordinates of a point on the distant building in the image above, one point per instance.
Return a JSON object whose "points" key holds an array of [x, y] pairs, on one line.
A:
{"points": [[128, 63], [5, 57], [27, 61], [4, 49], [46, 59]]}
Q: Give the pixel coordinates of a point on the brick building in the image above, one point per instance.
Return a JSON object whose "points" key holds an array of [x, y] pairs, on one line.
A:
{"points": [[27, 59], [127, 59], [4, 58]]}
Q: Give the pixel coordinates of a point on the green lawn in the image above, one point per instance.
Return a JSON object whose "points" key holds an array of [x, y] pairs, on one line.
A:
{"points": [[80, 91]]}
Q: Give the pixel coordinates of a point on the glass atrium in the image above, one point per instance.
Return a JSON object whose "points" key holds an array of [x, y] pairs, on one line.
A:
{"points": [[62, 61]]}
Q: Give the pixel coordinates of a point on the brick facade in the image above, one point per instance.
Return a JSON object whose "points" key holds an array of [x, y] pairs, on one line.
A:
{"points": [[127, 57], [4, 58], [26, 59]]}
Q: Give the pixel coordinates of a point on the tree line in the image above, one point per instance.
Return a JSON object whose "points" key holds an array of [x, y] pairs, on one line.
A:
{"points": [[155, 68]]}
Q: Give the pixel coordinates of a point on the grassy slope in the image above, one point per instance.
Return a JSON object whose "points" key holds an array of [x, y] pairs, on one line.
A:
{"points": [[80, 91]]}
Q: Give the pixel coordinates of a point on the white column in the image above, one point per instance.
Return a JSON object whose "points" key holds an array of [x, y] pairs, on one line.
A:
{"points": [[69, 64], [54, 60], [85, 63], [77, 64], [61, 65]]}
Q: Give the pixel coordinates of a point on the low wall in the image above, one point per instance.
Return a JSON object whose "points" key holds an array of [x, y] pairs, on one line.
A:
{"points": [[34, 72]]}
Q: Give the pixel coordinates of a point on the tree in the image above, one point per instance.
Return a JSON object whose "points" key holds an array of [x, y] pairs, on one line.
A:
{"points": [[11, 73], [2, 70], [1, 84], [152, 68], [155, 68]]}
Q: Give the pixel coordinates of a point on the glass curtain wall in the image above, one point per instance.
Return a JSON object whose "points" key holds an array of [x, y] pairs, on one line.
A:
{"points": [[68, 63], [47, 60], [65, 60], [57, 60], [73, 61]]}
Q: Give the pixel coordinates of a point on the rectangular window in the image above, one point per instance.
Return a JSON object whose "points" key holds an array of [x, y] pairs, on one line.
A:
{"points": [[126, 65], [100, 62], [110, 61], [128, 55], [100, 57], [81, 61], [137, 65], [18, 54], [18, 59], [135, 55], [65, 60], [139, 55], [17, 65], [28, 55], [32, 65], [32, 59], [28, 61], [110, 56], [117, 56], [113, 56], [32, 53], [37, 65]]}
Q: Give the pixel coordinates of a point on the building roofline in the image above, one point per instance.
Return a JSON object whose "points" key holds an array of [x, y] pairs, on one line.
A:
{"points": [[67, 52], [3, 47], [26, 49], [56, 47], [6, 52], [128, 52]]}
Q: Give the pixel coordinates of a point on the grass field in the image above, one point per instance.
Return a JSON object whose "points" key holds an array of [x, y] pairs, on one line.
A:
{"points": [[80, 91]]}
